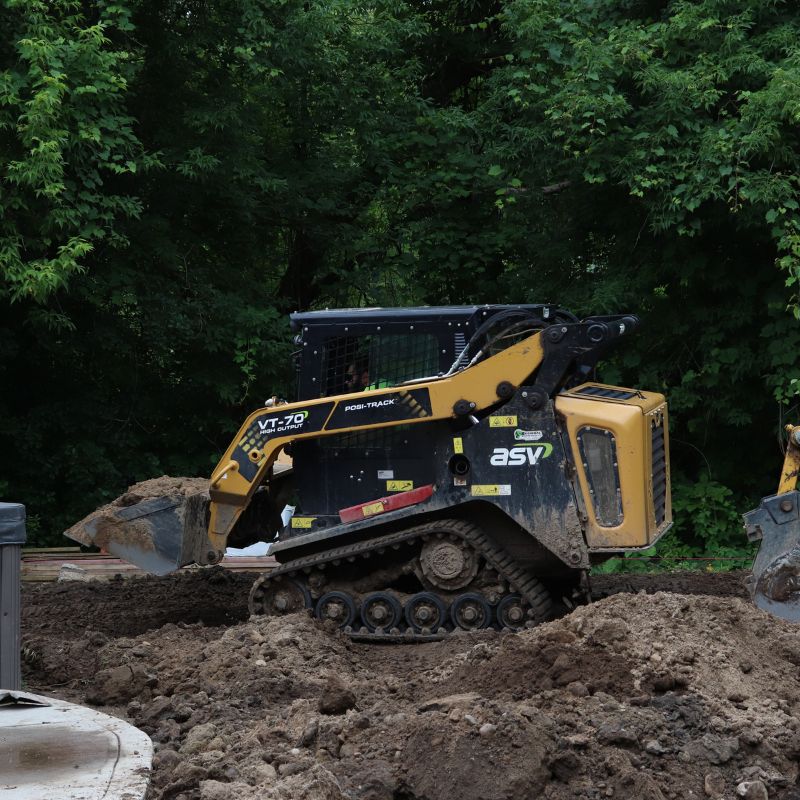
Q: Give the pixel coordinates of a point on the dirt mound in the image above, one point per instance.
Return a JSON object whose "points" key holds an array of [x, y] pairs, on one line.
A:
{"points": [[719, 584], [65, 624], [636, 696]]}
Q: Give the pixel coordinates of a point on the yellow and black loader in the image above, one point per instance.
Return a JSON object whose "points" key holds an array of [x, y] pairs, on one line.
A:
{"points": [[451, 468]]}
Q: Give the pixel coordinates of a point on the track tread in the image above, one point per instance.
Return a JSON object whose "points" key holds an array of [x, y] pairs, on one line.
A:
{"points": [[518, 578]]}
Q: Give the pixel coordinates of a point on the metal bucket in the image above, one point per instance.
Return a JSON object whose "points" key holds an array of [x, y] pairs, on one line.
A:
{"points": [[160, 534], [775, 583]]}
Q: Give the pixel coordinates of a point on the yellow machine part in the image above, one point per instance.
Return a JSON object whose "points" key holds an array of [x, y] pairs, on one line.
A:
{"points": [[630, 423], [791, 461]]}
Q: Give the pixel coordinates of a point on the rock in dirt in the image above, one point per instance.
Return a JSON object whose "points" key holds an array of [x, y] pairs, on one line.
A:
{"points": [[72, 572], [336, 698], [714, 784], [118, 685], [218, 790], [617, 732], [166, 759], [752, 790], [713, 749], [655, 748], [198, 738]]}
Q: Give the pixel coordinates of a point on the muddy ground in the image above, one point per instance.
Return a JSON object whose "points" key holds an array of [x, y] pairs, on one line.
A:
{"points": [[651, 694]]}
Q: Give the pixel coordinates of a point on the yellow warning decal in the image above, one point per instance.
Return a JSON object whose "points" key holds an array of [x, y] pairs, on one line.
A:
{"points": [[302, 522], [371, 509], [458, 445], [490, 489], [503, 422], [399, 486]]}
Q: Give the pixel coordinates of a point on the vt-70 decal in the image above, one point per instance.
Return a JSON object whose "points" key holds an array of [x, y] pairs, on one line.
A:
{"points": [[287, 423], [271, 424], [398, 406]]}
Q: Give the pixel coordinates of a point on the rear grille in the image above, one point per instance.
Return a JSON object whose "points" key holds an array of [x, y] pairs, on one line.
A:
{"points": [[659, 469], [459, 343], [603, 391]]}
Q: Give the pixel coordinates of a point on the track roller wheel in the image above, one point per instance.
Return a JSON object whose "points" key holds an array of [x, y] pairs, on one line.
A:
{"points": [[510, 612], [278, 597], [336, 607], [425, 612], [381, 610], [471, 612]]}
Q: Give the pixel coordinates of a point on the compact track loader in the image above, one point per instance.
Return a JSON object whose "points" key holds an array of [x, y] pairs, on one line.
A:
{"points": [[452, 468]]}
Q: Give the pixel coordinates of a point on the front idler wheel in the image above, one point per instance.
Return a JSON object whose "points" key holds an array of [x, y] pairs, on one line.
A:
{"points": [[336, 607], [278, 597], [381, 610], [425, 612], [471, 612]]}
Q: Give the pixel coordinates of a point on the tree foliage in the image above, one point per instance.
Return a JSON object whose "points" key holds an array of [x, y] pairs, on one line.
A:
{"points": [[176, 175], [67, 142]]}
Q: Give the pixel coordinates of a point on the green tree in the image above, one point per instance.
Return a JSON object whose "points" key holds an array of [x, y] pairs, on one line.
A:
{"points": [[67, 142]]}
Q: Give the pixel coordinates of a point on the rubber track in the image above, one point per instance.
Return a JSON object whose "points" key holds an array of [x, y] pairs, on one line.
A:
{"points": [[518, 578]]}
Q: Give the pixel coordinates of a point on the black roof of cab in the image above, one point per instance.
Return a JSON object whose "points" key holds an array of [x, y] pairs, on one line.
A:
{"points": [[462, 314]]}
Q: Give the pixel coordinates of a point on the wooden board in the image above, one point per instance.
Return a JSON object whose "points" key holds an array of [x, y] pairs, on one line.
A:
{"points": [[45, 564]]}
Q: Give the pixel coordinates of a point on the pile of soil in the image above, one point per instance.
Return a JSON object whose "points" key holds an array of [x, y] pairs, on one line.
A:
{"points": [[719, 584], [640, 695], [154, 488], [65, 625]]}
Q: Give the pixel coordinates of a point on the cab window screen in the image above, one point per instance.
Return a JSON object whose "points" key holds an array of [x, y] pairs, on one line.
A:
{"points": [[377, 361]]}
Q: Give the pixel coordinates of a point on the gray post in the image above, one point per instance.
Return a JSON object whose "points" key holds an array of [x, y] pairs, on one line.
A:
{"points": [[12, 537]]}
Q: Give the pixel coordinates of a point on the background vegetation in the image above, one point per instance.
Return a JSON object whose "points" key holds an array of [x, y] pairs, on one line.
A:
{"points": [[177, 175]]}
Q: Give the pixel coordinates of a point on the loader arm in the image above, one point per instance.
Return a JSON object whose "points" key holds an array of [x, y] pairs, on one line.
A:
{"points": [[548, 355]]}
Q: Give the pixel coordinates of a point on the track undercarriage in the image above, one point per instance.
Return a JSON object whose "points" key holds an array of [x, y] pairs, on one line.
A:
{"points": [[421, 583]]}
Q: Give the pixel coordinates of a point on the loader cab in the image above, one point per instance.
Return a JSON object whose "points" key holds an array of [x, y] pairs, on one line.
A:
{"points": [[349, 350], [393, 345]]}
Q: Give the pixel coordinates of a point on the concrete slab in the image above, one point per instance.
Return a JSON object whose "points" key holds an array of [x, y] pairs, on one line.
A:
{"points": [[54, 750]]}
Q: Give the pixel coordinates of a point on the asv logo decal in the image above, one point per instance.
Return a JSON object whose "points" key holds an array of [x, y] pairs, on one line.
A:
{"points": [[517, 456]]}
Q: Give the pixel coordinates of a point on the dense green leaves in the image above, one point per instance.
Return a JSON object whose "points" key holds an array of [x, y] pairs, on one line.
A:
{"points": [[177, 175], [67, 142], [690, 108]]}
